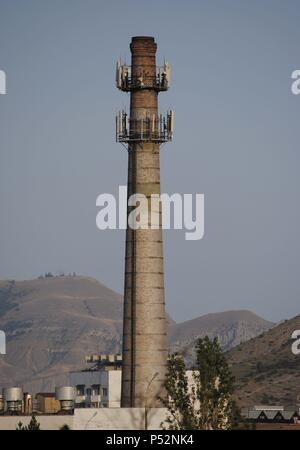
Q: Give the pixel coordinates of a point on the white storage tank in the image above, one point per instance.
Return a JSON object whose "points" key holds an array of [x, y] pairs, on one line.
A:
{"points": [[66, 395], [13, 398]]}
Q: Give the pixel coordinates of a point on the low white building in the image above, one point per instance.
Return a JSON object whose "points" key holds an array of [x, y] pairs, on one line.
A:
{"points": [[97, 388], [100, 385], [93, 419]]}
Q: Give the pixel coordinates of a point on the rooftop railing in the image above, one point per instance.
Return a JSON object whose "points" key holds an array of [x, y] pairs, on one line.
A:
{"points": [[152, 128], [126, 81]]}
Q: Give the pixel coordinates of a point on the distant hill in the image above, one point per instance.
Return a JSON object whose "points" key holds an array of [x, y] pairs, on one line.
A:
{"points": [[51, 323], [266, 370], [230, 327]]}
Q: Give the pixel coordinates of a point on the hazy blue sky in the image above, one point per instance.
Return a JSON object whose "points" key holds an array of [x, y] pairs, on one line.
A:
{"points": [[236, 140]]}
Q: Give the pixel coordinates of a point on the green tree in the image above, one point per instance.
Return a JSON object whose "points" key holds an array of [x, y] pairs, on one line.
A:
{"points": [[20, 426], [214, 385], [207, 402], [180, 401], [32, 426]]}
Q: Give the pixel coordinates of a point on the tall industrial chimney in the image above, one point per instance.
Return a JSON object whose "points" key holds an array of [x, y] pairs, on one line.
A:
{"points": [[144, 328]]}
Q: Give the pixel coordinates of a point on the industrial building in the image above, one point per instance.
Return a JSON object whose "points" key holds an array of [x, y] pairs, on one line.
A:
{"points": [[46, 403], [99, 386], [55, 411], [13, 402], [271, 414]]}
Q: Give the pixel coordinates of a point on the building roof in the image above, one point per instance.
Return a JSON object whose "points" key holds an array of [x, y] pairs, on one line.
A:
{"points": [[46, 394], [288, 415], [255, 414], [268, 408]]}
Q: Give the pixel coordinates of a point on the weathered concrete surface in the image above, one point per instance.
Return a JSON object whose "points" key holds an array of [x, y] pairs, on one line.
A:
{"points": [[53, 422], [94, 419], [118, 419]]}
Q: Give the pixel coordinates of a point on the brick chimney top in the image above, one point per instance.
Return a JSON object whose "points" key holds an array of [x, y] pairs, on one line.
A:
{"points": [[143, 43]]}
